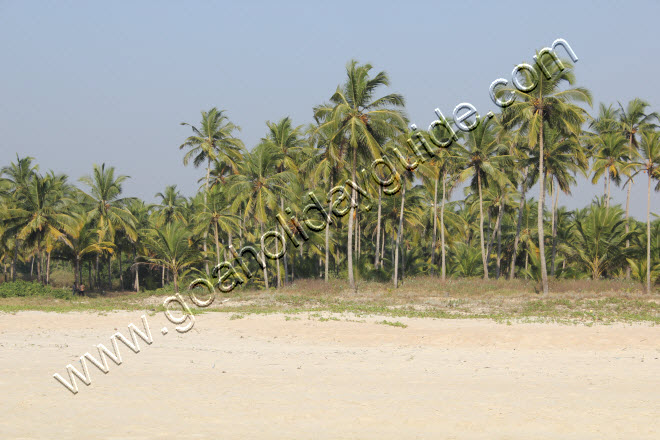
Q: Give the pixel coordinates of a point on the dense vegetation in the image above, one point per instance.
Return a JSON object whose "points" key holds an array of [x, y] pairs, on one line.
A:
{"points": [[496, 230]]}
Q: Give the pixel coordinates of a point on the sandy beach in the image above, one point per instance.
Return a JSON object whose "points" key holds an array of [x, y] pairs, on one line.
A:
{"points": [[279, 377]]}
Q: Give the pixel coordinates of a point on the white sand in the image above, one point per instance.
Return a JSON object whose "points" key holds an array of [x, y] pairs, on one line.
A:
{"points": [[266, 377]]}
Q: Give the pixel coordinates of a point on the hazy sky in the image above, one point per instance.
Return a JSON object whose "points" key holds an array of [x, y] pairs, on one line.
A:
{"points": [[93, 82]]}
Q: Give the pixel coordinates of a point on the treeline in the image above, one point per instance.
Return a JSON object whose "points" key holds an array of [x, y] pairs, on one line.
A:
{"points": [[497, 229]]}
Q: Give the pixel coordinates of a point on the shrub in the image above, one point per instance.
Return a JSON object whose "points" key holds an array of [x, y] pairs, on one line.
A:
{"points": [[26, 288]]}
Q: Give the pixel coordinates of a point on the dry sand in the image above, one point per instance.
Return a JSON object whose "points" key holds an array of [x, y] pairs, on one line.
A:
{"points": [[268, 377]]}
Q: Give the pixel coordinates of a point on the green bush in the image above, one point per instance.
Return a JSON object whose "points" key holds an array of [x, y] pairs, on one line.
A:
{"points": [[26, 288]]}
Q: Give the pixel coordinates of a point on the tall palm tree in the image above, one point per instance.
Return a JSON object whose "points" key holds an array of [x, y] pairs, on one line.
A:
{"points": [[258, 186], [650, 164], [107, 208], [40, 216], [363, 123], [213, 141], [170, 207], [17, 176], [482, 158], [611, 157], [633, 119], [547, 104]]}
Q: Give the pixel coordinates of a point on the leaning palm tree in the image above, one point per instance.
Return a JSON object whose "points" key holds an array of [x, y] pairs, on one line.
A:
{"points": [[362, 123], [482, 158], [650, 164], [545, 105], [107, 208]]}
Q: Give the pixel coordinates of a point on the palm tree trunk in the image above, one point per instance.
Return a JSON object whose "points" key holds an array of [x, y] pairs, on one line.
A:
{"points": [[498, 221], [48, 268], [435, 219], [121, 272], [380, 196], [349, 251], [499, 250], [398, 235], [206, 230], [217, 242], [15, 258], [109, 273], [76, 276], [554, 231], [382, 250], [516, 241], [263, 257], [481, 227], [630, 182], [442, 224], [648, 236], [544, 271], [162, 276]]}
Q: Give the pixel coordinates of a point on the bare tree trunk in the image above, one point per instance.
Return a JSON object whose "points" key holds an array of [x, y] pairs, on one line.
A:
{"points": [[162, 276], [499, 250], [442, 224], [382, 250], [484, 260], [327, 239], [15, 259], [648, 237], [109, 272], [398, 235], [630, 182], [555, 220], [434, 241], [48, 268], [544, 271], [263, 257], [512, 269], [217, 242], [121, 272], [206, 230], [380, 196], [349, 250]]}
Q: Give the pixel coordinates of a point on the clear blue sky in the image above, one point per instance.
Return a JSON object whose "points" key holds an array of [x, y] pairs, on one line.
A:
{"points": [[92, 82]]}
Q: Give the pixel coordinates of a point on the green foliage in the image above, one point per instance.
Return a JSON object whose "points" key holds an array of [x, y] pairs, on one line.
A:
{"points": [[26, 288]]}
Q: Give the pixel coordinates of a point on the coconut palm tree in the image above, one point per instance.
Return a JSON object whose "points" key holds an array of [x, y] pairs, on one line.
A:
{"points": [[213, 141], [546, 105], [650, 164], [107, 208], [611, 157], [174, 249], [362, 123], [258, 186], [40, 216], [170, 207], [482, 158]]}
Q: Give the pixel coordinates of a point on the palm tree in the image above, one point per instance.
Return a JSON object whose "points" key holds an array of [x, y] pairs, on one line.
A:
{"points": [[650, 164], [547, 103], [258, 186], [18, 175], [40, 216], [213, 141], [482, 158], [174, 249], [632, 119], [611, 157], [170, 206], [106, 208], [362, 123], [598, 240]]}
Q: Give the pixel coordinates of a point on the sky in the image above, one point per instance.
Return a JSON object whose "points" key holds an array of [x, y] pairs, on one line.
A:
{"points": [[94, 82]]}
